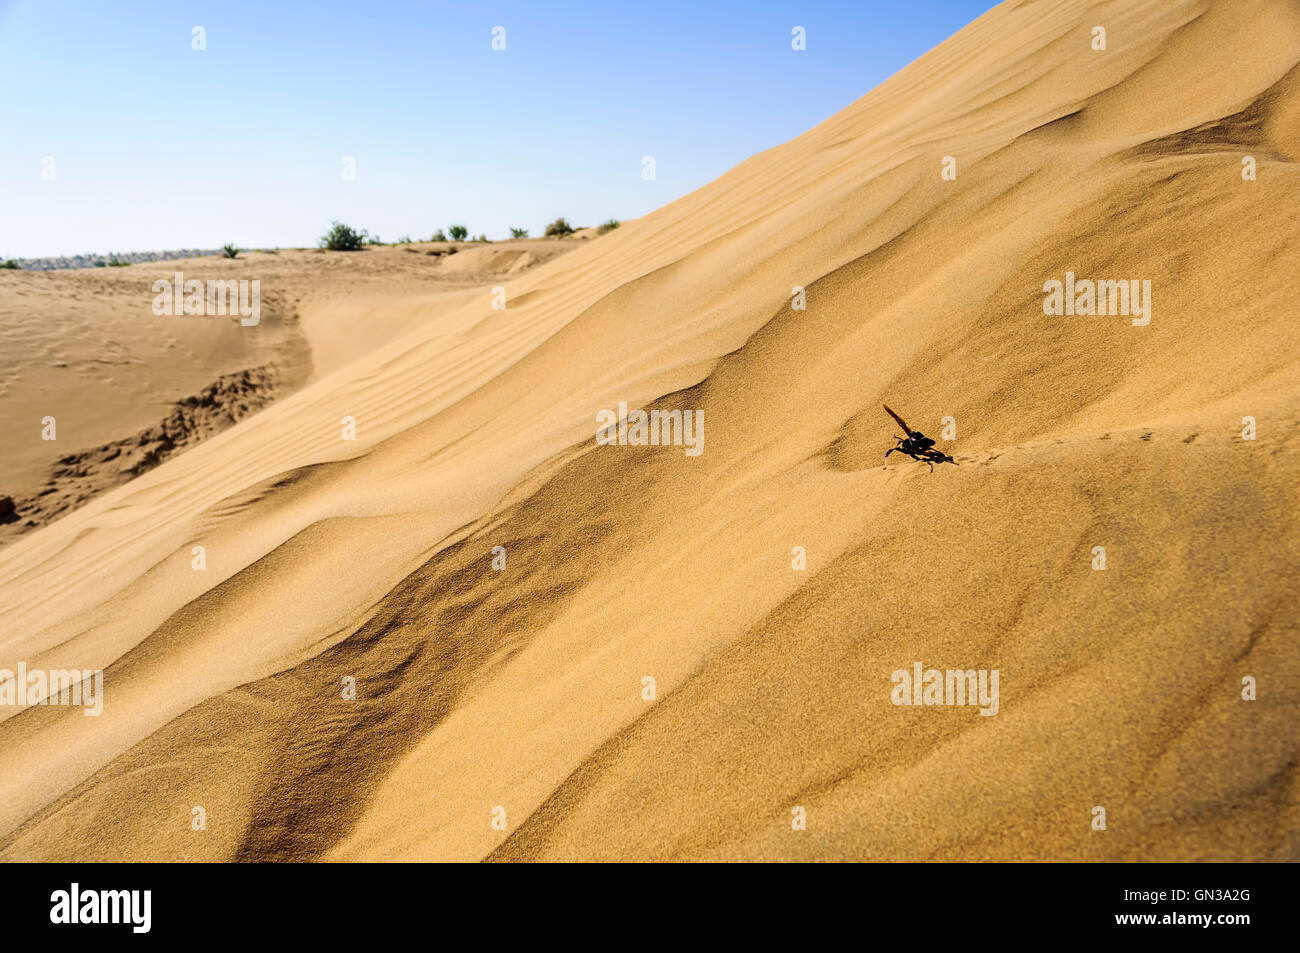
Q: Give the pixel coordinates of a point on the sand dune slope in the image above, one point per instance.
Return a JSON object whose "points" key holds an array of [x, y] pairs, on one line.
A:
{"points": [[521, 695]]}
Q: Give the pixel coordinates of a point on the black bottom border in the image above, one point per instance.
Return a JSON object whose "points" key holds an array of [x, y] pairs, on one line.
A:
{"points": [[927, 903]]}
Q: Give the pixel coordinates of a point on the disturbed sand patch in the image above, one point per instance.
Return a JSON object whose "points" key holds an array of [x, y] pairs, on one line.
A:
{"points": [[79, 477]]}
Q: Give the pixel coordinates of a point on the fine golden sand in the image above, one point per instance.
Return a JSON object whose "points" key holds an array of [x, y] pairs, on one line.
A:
{"points": [[519, 695]]}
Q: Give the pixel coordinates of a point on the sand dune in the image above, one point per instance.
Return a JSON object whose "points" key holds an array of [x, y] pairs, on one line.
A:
{"points": [[519, 694], [129, 388]]}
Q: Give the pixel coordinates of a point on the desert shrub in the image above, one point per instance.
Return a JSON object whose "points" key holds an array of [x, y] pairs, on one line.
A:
{"points": [[481, 238], [438, 236], [458, 233], [558, 229], [518, 232], [609, 226], [343, 238], [404, 240], [229, 251], [10, 263]]}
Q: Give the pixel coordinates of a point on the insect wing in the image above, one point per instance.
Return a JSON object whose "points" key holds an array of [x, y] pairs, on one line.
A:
{"points": [[906, 428]]}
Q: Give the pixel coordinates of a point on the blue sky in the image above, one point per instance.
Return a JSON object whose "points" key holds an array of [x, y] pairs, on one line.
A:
{"points": [[158, 146]]}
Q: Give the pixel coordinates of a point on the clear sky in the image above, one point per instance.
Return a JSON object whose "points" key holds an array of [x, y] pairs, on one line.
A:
{"points": [[156, 145]]}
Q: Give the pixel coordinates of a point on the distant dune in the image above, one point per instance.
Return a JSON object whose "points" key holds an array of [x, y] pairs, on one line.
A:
{"points": [[128, 388], [653, 674]]}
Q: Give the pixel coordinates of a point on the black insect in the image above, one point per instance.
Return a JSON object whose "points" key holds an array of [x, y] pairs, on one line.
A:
{"points": [[917, 445]]}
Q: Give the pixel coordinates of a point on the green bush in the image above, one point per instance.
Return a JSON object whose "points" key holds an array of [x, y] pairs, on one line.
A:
{"points": [[438, 236], [229, 251], [558, 229], [458, 233], [343, 238], [609, 226], [518, 232], [481, 238], [10, 263]]}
